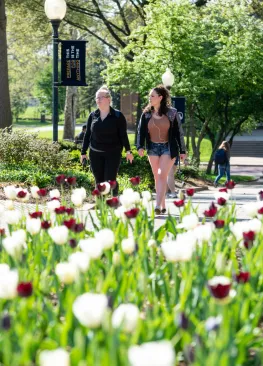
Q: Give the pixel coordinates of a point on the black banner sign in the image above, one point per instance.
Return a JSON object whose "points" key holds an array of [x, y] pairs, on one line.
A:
{"points": [[73, 63], [179, 104]]}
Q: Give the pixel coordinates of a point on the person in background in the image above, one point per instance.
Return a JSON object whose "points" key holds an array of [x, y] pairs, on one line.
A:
{"points": [[159, 130], [80, 137], [105, 137], [224, 167]]}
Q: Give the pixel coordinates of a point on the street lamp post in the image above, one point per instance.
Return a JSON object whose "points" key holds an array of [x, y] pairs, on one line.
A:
{"points": [[55, 11], [168, 79]]}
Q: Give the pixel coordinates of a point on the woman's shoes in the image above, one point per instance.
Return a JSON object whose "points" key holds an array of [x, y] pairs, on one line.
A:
{"points": [[157, 210], [173, 195], [163, 211]]}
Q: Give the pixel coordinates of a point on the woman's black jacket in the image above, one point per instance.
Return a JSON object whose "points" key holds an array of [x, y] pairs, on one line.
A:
{"points": [[176, 134]]}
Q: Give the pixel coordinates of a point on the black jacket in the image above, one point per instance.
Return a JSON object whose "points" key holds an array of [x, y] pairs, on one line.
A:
{"points": [[107, 135], [176, 137]]}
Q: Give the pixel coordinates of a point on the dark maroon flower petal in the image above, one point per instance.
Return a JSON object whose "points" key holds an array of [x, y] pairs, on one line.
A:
{"points": [[71, 181], [45, 225], [113, 184], [223, 190], [219, 224], [24, 289], [220, 291], [60, 179], [2, 232], [6, 322], [70, 211], [36, 215], [230, 185], [78, 228], [55, 199], [42, 192], [190, 192], [101, 187], [248, 244], [179, 203], [113, 202], [260, 211], [260, 195], [249, 235], [135, 181], [183, 321], [60, 210], [211, 212], [131, 214], [242, 277], [73, 243], [221, 201], [21, 194], [95, 192], [70, 223]]}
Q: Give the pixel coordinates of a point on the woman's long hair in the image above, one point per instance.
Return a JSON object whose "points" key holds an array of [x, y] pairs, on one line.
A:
{"points": [[165, 102], [225, 145]]}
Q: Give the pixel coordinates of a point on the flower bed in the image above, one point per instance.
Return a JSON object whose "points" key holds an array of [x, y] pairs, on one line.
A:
{"points": [[125, 293]]}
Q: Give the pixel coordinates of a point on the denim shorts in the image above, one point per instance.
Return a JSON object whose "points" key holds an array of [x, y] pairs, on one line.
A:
{"points": [[158, 149]]}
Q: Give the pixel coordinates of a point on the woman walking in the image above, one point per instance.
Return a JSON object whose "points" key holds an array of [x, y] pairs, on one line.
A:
{"points": [[105, 137], [223, 162], [159, 129]]}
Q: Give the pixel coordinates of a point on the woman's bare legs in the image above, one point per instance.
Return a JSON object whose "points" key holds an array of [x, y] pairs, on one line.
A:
{"points": [[154, 162], [170, 179], [165, 165]]}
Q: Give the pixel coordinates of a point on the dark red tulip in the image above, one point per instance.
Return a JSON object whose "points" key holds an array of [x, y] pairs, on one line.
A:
{"points": [[220, 291], [113, 202], [223, 190], [179, 203], [131, 214], [242, 277], [190, 192], [60, 179], [2, 232], [101, 187], [6, 322], [42, 192], [183, 321], [36, 215], [54, 199], [60, 210], [211, 212], [70, 223], [221, 201], [260, 195], [70, 211], [230, 185], [73, 243], [78, 228], [21, 194], [219, 224], [260, 211], [45, 225], [95, 192], [135, 181], [113, 184], [71, 181], [24, 289], [249, 235]]}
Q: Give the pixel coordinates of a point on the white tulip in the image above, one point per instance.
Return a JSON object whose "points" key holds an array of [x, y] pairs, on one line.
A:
{"points": [[52, 205], [119, 213], [33, 226], [8, 284], [80, 192], [90, 309], [151, 243], [251, 209], [57, 357], [190, 221], [129, 198], [238, 228], [81, 261], [204, 232], [12, 217], [34, 191], [67, 272], [14, 244], [125, 316], [54, 193], [106, 237], [116, 258], [181, 249], [146, 195], [10, 192], [2, 210], [59, 234], [128, 245], [77, 200], [24, 199], [4, 268], [219, 280], [152, 354], [92, 247], [9, 205]]}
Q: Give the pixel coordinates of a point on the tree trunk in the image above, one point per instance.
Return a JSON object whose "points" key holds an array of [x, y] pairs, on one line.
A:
{"points": [[70, 112], [5, 108]]}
